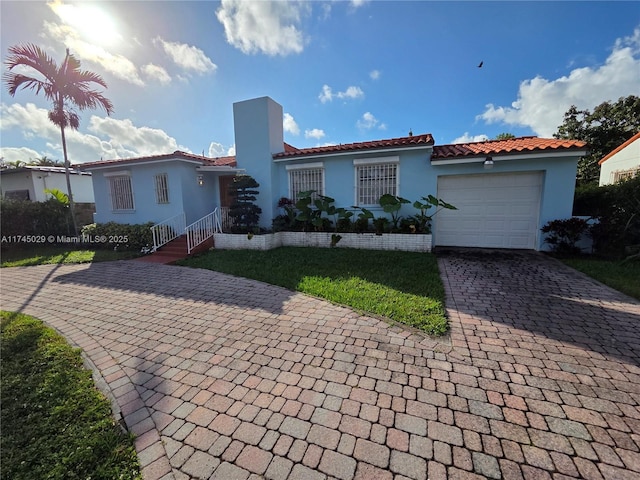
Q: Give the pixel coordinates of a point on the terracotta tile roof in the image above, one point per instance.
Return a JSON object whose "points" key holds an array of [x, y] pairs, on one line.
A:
{"points": [[413, 141], [616, 150], [177, 155], [501, 147]]}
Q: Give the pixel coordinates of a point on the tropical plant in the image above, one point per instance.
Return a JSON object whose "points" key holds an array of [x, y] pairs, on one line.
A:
{"points": [[59, 195], [423, 220], [65, 85], [392, 204], [45, 161], [505, 136], [13, 164], [361, 224], [244, 212]]}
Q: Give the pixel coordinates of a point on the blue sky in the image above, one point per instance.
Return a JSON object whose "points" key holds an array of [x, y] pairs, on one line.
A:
{"points": [[344, 71]]}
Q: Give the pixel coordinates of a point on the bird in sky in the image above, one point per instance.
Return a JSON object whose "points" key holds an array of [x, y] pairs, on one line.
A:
{"points": [[480, 64]]}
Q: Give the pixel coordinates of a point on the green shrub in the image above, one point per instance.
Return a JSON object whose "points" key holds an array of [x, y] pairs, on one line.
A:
{"points": [[244, 212], [617, 209], [119, 236], [563, 235], [23, 217]]}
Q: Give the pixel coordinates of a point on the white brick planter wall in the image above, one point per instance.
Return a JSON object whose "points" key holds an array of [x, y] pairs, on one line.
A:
{"points": [[365, 241]]}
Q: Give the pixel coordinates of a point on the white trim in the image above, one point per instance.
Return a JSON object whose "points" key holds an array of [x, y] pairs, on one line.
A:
{"points": [[304, 166], [219, 168], [126, 164], [499, 158], [119, 173], [351, 153], [376, 160]]}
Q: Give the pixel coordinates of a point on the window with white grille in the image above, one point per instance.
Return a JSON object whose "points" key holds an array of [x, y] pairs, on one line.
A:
{"points": [[121, 192], [305, 179], [374, 180], [162, 188], [620, 175]]}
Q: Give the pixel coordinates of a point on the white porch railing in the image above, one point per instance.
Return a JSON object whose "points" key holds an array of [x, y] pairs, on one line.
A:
{"points": [[203, 229], [167, 230], [225, 220]]}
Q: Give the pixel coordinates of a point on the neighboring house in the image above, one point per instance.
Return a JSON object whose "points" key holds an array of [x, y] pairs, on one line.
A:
{"points": [[31, 181], [621, 163], [504, 190]]}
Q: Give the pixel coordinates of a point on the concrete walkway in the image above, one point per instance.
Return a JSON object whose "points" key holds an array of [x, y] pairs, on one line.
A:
{"points": [[227, 378]]}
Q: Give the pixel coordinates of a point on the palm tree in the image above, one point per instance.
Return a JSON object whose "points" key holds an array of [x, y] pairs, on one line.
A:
{"points": [[45, 161], [66, 86]]}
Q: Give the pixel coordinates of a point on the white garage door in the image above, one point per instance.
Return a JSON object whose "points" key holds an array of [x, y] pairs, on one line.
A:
{"points": [[494, 210]]}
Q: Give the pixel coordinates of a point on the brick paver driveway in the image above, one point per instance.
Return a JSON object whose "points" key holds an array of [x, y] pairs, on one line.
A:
{"points": [[227, 378]]}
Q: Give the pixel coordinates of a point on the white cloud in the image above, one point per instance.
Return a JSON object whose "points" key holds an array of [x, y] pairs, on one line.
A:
{"points": [[187, 56], [156, 73], [374, 74], [118, 65], [358, 3], [290, 125], [111, 138], [466, 138], [218, 150], [266, 27], [316, 133], [124, 136], [541, 103], [25, 154], [369, 121], [327, 95]]}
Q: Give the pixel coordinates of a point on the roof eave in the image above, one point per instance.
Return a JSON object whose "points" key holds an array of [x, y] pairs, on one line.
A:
{"points": [[133, 162], [278, 158], [219, 169], [510, 156]]}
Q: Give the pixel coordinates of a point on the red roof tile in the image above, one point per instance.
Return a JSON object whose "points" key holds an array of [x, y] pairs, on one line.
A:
{"points": [[413, 141], [617, 149], [177, 155], [498, 147]]}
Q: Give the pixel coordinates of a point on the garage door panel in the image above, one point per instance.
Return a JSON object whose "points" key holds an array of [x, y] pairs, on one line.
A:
{"points": [[494, 210]]}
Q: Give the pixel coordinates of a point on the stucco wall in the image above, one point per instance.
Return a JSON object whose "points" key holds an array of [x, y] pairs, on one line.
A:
{"points": [[418, 178], [183, 186], [625, 159], [258, 135], [36, 182]]}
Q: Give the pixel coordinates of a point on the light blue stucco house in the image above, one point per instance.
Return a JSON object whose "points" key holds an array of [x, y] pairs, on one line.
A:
{"points": [[504, 190]]}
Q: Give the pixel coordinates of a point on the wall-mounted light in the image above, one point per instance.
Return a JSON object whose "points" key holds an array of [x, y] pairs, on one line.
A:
{"points": [[200, 179], [488, 163]]}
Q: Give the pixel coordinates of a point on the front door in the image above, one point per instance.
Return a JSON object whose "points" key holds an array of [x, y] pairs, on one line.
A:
{"points": [[225, 200]]}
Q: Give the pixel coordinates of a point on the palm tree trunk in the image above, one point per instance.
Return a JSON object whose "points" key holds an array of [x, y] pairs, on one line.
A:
{"points": [[67, 174]]}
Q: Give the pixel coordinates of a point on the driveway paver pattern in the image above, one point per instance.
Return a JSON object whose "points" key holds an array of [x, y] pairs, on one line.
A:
{"points": [[226, 378]]}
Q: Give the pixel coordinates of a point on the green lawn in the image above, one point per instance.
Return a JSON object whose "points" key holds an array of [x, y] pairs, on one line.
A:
{"points": [[40, 255], [623, 277], [55, 424], [401, 286]]}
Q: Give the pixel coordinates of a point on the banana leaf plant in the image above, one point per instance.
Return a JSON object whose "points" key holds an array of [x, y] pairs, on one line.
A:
{"points": [[392, 204], [423, 205]]}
